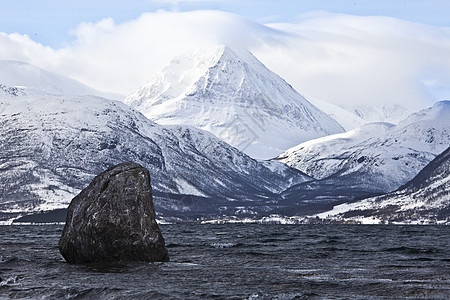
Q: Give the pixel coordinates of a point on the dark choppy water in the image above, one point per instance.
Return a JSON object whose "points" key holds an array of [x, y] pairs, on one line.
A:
{"points": [[241, 262]]}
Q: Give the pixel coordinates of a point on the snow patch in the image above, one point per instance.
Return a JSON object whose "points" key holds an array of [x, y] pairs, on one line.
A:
{"points": [[186, 188]]}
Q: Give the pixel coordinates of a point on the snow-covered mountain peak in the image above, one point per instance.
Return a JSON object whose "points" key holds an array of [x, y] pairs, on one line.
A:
{"points": [[175, 80], [426, 130], [183, 75], [323, 157], [386, 155], [439, 112], [231, 94]]}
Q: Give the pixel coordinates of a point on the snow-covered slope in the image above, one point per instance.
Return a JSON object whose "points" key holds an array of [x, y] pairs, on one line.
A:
{"points": [[353, 116], [52, 146], [347, 119], [382, 155], [34, 80], [233, 95], [426, 197]]}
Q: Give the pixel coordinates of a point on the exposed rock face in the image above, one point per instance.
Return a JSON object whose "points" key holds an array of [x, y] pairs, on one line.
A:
{"points": [[113, 219]]}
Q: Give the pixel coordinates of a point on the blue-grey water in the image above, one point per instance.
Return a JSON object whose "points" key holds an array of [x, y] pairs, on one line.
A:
{"points": [[240, 262]]}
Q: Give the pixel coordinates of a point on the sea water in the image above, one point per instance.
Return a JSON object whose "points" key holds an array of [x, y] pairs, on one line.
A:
{"points": [[240, 262]]}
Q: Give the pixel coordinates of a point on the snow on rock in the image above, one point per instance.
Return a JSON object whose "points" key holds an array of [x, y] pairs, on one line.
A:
{"points": [[7, 91], [233, 95], [383, 154]]}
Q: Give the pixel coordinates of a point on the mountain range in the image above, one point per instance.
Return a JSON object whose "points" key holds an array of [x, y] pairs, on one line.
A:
{"points": [[211, 109], [424, 199], [382, 156], [353, 116], [52, 146]]}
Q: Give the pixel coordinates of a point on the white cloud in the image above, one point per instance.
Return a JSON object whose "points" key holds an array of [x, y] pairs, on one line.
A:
{"points": [[347, 59], [338, 58], [22, 48], [123, 56]]}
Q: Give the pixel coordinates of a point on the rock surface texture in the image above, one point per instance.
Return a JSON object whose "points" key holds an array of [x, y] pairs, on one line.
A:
{"points": [[113, 219]]}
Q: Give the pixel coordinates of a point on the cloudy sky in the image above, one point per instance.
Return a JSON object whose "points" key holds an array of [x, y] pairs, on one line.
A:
{"points": [[343, 52]]}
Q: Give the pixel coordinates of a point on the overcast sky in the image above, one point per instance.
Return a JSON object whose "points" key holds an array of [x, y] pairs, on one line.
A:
{"points": [[344, 52]]}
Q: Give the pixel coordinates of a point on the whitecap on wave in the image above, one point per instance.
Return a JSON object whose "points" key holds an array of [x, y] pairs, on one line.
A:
{"points": [[9, 280], [223, 245]]}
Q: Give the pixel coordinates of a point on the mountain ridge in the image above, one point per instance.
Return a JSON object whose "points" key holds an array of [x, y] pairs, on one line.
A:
{"points": [[423, 199], [52, 146], [384, 154]]}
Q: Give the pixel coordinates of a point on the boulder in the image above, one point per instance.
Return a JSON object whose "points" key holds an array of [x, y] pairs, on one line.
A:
{"points": [[113, 220]]}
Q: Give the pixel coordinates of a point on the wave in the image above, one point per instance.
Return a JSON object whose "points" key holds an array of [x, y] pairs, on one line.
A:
{"points": [[7, 281], [223, 245], [12, 259], [411, 250]]}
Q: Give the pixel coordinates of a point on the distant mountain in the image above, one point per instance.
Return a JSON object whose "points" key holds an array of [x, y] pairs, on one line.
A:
{"points": [[31, 79], [423, 199], [233, 95], [353, 116], [380, 156], [52, 146], [347, 119], [393, 113]]}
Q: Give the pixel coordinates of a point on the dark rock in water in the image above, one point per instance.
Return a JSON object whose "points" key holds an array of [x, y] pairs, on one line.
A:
{"points": [[113, 219]]}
